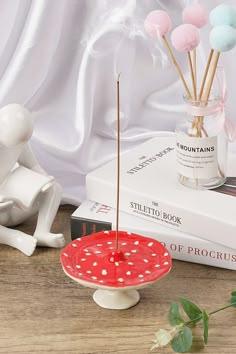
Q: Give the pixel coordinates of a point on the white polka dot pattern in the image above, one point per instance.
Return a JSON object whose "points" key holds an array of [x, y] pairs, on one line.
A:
{"points": [[93, 259]]}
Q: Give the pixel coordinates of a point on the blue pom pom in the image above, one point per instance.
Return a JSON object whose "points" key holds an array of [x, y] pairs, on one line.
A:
{"points": [[223, 15], [223, 38]]}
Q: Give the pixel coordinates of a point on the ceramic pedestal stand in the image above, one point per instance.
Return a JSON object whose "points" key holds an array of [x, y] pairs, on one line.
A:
{"points": [[93, 261]]}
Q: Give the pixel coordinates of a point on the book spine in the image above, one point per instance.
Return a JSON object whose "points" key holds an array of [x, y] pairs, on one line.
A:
{"points": [[181, 248], [82, 227], [152, 209]]}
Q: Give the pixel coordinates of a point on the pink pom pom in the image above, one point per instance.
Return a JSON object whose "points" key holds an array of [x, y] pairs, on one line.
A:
{"points": [[185, 38], [196, 15], [157, 23]]}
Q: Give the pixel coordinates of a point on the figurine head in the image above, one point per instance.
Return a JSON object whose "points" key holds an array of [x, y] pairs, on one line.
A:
{"points": [[16, 125]]}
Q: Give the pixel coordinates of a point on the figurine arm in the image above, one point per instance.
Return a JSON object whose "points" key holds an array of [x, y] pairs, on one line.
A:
{"points": [[28, 159]]}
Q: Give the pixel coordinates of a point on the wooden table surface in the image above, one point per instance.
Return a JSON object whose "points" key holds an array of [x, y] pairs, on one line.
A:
{"points": [[44, 311]]}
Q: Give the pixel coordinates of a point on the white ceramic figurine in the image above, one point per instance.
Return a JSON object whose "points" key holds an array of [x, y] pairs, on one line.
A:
{"points": [[25, 188]]}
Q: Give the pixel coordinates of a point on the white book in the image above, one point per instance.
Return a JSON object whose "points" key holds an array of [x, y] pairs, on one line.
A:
{"points": [[91, 217], [149, 189]]}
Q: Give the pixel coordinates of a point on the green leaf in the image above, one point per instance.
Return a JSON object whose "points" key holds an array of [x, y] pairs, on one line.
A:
{"points": [[233, 298], [174, 315], [192, 310], [182, 341], [205, 324]]}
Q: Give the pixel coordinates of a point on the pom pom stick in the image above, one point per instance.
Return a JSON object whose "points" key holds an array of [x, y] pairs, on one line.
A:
{"points": [[195, 15], [223, 15], [185, 38], [222, 39], [158, 23], [220, 15]]}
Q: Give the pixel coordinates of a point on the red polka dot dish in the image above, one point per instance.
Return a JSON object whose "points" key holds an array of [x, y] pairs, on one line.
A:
{"points": [[94, 262]]}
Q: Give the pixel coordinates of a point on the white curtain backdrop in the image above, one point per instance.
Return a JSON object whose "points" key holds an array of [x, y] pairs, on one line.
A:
{"points": [[60, 58]]}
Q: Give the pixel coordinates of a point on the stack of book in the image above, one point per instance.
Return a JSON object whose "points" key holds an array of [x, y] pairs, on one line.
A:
{"points": [[195, 225]]}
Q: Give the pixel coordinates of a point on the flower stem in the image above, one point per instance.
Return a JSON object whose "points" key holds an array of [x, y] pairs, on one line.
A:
{"points": [[210, 313], [222, 308]]}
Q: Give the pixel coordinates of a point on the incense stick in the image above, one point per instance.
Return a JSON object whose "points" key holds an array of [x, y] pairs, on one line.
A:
{"points": [[118, 161]]}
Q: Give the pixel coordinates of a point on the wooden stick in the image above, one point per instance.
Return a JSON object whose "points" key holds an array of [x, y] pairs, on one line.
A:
{"points": [[212, 75], [168, 48], [205, 74], [200, 123], [195, 66], [118, 162], [209, 85], [192, 75]]}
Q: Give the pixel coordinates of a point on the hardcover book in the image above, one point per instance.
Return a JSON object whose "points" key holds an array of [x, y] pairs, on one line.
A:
{"points": [[93, 217], [149, 189]]}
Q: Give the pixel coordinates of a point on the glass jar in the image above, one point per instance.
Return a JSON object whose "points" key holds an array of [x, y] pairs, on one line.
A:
{"points": [[202, 145]]}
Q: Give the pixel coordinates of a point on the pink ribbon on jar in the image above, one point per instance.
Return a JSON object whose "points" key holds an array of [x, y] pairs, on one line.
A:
{"points": [[222, 122], [229, 124]]}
